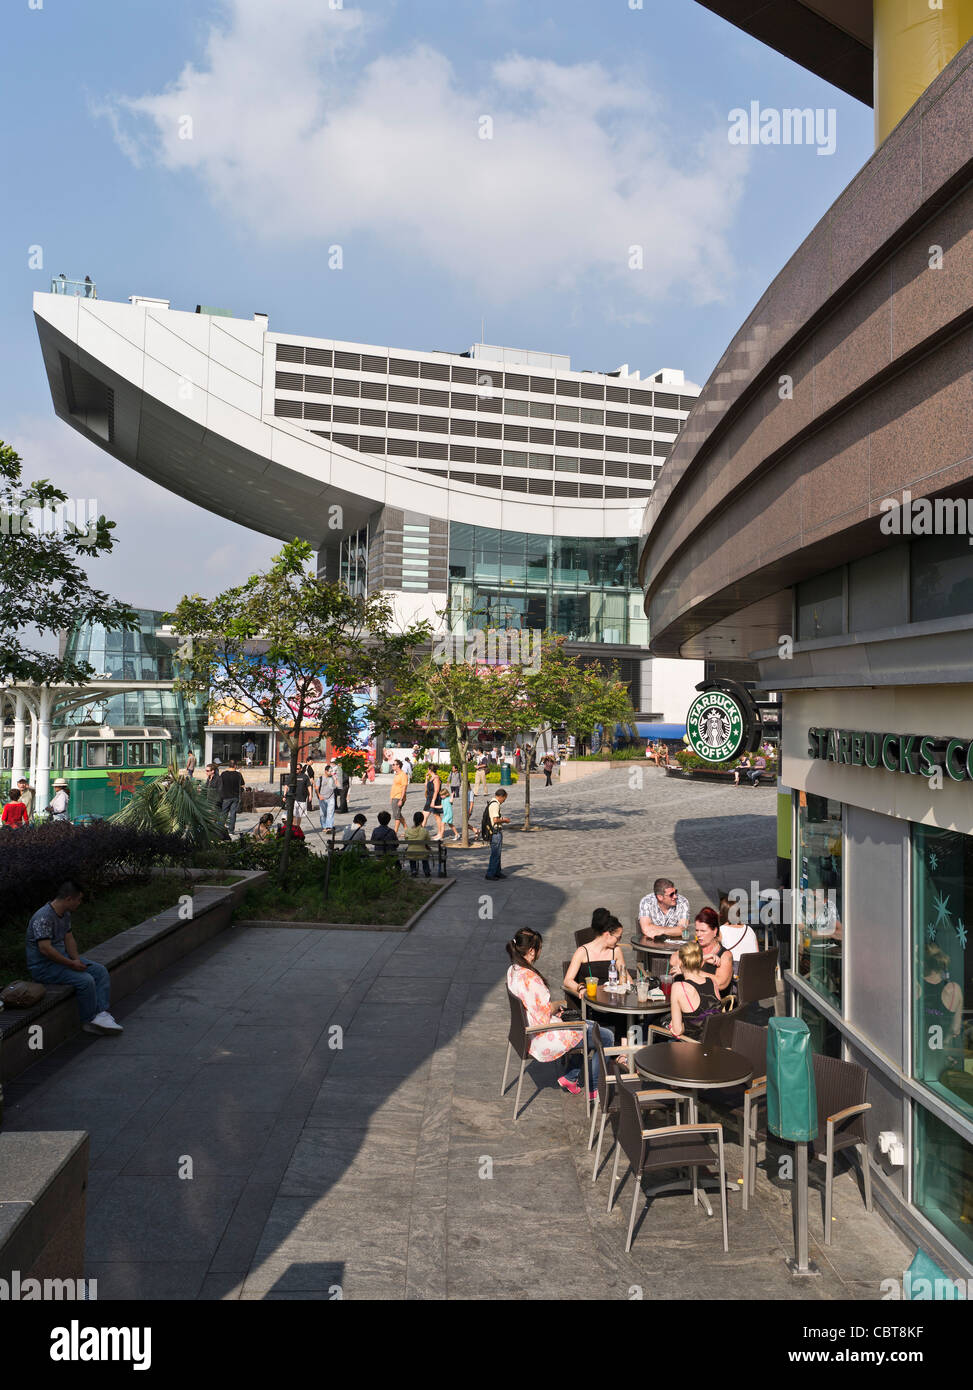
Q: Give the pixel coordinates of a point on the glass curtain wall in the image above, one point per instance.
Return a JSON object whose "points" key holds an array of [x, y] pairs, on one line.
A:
{"points": [[138, 656], [576, 586]]}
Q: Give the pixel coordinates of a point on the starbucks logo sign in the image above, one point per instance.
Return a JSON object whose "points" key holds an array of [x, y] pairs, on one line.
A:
{"points": [[714, 726]]}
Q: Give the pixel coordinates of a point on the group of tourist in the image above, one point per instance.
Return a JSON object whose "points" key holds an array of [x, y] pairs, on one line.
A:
{"points": [[18, 810], [700, 970]]}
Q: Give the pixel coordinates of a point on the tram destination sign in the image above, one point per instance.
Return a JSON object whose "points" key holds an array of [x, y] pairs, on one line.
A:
{"points": [[916, 754]]}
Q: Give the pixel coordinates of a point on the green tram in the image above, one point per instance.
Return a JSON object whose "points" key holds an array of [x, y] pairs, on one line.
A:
{"points": [[102, 766]]}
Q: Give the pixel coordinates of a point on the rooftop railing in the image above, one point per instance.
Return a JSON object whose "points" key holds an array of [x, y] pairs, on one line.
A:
{"points": [[80, 289]]}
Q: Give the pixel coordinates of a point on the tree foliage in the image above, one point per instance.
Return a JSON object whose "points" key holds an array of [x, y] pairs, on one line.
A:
{"points": [[288, 649], [43, 585]]}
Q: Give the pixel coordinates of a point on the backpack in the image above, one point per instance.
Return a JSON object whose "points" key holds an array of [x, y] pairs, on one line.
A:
{"points": [[486, 829]]}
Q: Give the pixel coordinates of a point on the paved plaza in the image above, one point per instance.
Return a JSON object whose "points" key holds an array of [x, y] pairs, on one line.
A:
{"points": [[298, 1114]]}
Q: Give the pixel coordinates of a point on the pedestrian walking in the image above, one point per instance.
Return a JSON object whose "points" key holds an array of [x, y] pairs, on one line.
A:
{"points": [[434, 801], [191, 763], [448, 812], [327, 797], [493, 822], [400, 790], [548, 765], [214, 789], [231, 789], [479, 781]]}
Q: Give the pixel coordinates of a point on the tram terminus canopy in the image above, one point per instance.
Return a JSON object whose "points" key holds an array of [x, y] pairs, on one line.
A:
{"points": [[42, 705]]}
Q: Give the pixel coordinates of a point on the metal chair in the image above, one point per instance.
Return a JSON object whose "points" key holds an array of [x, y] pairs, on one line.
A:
{"points": [[672, 1146], [841, 1088], [757, 977], [518, 1041], [606, 1090]]}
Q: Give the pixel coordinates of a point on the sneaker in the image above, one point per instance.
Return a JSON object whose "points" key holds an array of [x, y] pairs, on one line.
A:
{"points": [[592, 1095], [105, 1023], [90, 1028], [567, 1085]]}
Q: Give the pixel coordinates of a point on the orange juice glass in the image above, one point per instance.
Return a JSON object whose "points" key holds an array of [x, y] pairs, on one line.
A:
{"points": [[592, 987]]}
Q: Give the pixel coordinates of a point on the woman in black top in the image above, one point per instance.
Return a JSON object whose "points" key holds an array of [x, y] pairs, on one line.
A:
{"points": [[596, 957], [717, 960], [694, 997]]}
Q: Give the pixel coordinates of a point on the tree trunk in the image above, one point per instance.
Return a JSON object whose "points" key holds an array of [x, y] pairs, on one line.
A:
{"points": [[464, 790], [289, 805], [526, 762]]}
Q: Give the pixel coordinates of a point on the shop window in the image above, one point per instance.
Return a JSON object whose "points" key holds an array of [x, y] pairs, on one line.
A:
{"points": [[820, 881], [942, 1178], [941, 577], [942, 908], [825, 1037]]}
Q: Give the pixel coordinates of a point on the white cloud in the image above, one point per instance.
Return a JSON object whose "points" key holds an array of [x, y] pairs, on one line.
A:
{"points": [[165, 547], [296, 133]]}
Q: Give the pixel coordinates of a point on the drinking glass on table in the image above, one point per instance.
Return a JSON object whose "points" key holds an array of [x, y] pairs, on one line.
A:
{"points": [[666, 985], [642, 990], [591, 985]]}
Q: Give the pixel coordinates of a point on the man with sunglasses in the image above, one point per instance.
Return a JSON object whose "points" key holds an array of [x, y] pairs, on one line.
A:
{"points": [[663, 912]]}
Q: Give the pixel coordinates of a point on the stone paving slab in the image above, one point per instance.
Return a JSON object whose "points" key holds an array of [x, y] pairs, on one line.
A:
{"points": [[380, 1160]]}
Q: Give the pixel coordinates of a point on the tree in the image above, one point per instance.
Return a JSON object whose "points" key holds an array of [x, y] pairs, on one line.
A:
{"points": [[295, 652], [566, 692], [457, 697], [509, 698], [44, 588]]}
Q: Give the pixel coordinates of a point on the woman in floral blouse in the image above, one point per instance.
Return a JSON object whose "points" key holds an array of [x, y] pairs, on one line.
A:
{"points": [[530, 987]]}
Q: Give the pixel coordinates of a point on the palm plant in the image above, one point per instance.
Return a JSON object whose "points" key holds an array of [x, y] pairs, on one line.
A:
{"points": [[174, 805]]}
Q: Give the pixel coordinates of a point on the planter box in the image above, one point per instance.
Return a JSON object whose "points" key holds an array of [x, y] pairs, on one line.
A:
{"points": [[701, 774], [131, 957], [43, 1181]]}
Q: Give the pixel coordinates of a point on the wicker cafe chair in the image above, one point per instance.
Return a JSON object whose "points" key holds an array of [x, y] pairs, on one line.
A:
{"points": [[757, 977], [672, 1146], [608, 1083], [842, 1107], [518, 1041]]}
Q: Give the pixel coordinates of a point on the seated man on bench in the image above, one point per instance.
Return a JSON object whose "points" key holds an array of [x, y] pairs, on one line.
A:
{"points": [[384, 837], [52, 958]]}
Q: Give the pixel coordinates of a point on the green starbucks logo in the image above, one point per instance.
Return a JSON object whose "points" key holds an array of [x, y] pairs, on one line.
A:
{"points": [[714, 726]]}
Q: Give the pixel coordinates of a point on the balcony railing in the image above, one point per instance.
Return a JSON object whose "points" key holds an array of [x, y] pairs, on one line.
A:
{"points": [[80, 289]]}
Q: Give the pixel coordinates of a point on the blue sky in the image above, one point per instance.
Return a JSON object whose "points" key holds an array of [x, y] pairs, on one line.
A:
{"points": [[361, 127]]}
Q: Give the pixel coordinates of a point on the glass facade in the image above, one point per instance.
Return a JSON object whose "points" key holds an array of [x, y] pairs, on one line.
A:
{"points": [[942, 1178], [825, 1038], [942, 905], [820, 884], [138, 656], [586, 589], [353, 562]]}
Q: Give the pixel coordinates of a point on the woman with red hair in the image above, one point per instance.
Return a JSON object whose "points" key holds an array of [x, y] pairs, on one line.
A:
{"points": [[717, 960]]}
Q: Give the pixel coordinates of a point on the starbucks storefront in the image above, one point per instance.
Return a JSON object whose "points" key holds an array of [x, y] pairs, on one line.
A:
{"points": [[883, 834]]}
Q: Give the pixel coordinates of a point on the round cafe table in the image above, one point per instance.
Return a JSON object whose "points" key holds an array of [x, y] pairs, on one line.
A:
{"points": [[659, 950], [610, 1003], [691, 1067]]}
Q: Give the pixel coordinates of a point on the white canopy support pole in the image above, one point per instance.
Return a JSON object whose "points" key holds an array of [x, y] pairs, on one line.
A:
{"points": [[32, 777], [19, 768], [43, 775]]}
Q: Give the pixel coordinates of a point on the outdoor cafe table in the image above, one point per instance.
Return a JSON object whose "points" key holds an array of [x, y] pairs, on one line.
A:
{"points": [[627, 1004], [659, 949], [691, 1067]]}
